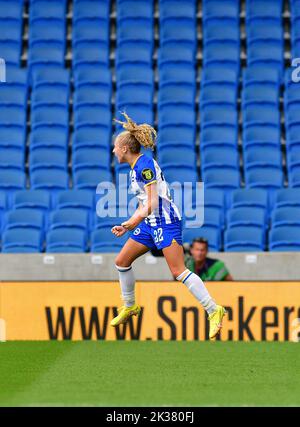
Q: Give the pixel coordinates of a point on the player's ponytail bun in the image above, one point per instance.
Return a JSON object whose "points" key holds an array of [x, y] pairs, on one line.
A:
{"points": [[144, 133]]}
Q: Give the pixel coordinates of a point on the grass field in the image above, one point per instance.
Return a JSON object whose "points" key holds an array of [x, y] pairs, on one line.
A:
{"points": [[149, 374]]}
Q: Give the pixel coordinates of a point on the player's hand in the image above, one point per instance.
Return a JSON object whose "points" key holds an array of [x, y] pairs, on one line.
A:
{"points": [[130, 224], [118, 230]]}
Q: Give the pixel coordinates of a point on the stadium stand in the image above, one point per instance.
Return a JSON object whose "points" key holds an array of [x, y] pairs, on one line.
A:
{"points": [[214, 77]]}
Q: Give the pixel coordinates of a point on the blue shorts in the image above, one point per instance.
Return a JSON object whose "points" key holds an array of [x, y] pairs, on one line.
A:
{"points": [[158, 237]]}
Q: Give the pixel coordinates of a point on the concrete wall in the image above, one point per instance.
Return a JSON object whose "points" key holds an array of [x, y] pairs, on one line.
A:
{"points": [[48, 267]]}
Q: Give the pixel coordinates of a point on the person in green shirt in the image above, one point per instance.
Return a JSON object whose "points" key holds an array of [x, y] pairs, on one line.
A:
{"points": [[206, 268]]}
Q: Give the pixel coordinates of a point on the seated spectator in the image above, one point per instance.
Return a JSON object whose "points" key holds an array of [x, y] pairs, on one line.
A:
{"points": [[206, 268]]}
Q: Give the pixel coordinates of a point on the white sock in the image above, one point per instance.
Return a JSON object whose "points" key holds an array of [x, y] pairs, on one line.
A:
{"points": [[127, 283], [197, 288]]}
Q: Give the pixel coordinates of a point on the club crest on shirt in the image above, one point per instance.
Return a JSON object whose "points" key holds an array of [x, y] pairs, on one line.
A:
{"points": [[147, 174]]}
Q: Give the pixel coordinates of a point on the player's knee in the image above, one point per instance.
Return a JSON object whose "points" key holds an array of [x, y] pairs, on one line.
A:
{"points": [[120, 261]]}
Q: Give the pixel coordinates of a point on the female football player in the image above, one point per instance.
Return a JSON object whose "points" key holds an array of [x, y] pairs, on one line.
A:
{"points": [[155, 224]]}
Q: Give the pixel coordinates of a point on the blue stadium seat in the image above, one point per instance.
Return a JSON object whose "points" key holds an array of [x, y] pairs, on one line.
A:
{"points": [[213, 218], [47, 30], [293, 161], [175, 94], [90, 52], [211, 234], [91, 136], [49, 137], [86, 179], [85, 115], [176, 53], [261, 135], [50, 179], [219, 157], [180, 174], [22, 240], [261, 74], [13, 137], [267, 157], [12, 180], [32, 199], [217, 95], [245, 216], [138, 30], [11, 158], [88, 9], [66, 240], [174, 9], [52, 76], [92, 94], [11, 30], [173, 157], [80, 199], [221, 9], [44, 53], [134, 93], [11, 10], [219, 136], [262, 29], [131, 53], [188, 32], [127, 9], [10, 52], [131, 74], [222, 178], [266, 52], [284, 239], [220, 75], [13, 95], [222, 52], [12, 115], [215, 116], [17, 77], [90, 29], [258, 114], [286, 216], [92, 74], [177, 74], [261, 177], [50, 95], [50, 115], [263, 9], [102, 240], [244, 239], [174, 115], [91, 158], [24, 218], [260, 93], [77, 219], [246, 197], [216, 30], [40, 9], [287, 197], [293, 137], [294, 178], [177, 135], [48, 158]]}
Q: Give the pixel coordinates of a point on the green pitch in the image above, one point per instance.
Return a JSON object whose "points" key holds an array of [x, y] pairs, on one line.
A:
{"points": [[149, 374]]}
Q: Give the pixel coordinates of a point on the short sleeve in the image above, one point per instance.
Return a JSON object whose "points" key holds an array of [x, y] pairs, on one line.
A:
{"points": [[147, 173]]}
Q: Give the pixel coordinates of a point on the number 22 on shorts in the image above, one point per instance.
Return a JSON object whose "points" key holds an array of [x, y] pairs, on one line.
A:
{"points": [[158, 237]]}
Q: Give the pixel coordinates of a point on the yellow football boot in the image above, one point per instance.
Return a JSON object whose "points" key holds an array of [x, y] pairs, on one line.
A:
{"points": [[215, 321], [124, 314]]}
